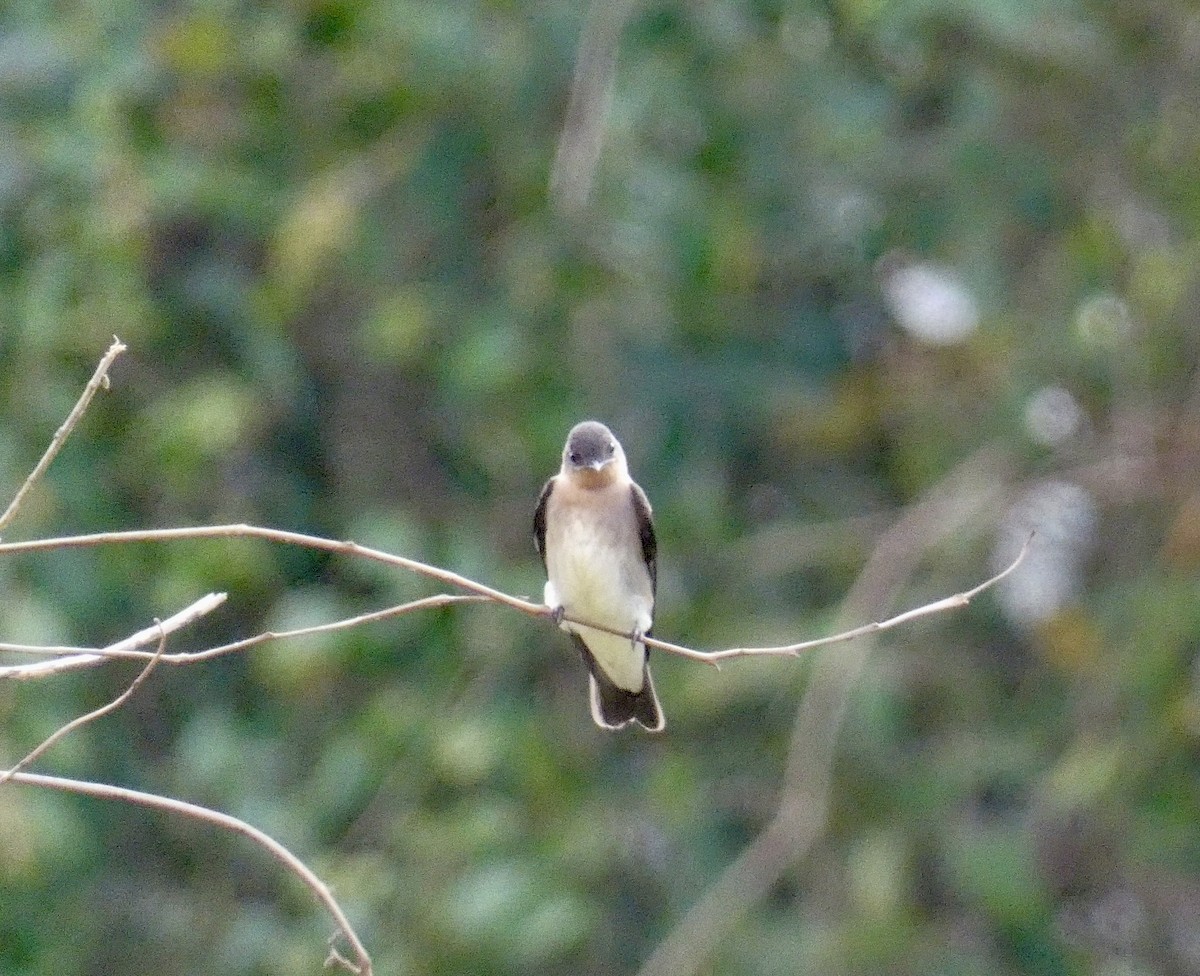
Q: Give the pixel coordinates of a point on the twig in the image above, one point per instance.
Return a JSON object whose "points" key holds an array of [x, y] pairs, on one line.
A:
{"points": [[462, 582], [94, 655], [99, 379], [793, 650], [104, 791], [425, 603], [54, 650], [73, 662], [481, 592], [280, 536], [91, 716]]}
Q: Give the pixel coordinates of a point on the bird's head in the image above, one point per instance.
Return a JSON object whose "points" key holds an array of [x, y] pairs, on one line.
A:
{"points": [[593, 456]]}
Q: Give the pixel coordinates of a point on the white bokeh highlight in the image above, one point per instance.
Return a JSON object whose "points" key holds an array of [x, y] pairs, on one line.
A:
{"points": [[931, 302], [1065, 520], [1053, 416]]}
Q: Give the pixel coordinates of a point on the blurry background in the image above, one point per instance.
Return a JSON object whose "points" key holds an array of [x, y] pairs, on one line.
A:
{"points": [[857, 284]]}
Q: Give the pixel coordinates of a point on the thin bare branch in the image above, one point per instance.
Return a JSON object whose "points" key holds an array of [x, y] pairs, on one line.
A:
{"points": [[99, 379], [425, 603], [480, 591], [104, 791], [190, 657], [792, 650], [53, 650], [91, 716], [74, 662], [280, 536]]}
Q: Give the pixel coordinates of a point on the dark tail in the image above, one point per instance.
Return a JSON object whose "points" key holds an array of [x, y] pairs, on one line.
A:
{"points": [[614, 707]]}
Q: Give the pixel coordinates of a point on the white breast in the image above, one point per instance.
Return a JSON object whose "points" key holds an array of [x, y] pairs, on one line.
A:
{"points": [[596, 577]]}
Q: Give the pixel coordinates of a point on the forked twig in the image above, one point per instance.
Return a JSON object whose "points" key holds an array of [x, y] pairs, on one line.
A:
{"points": [[73, 658], [122, 648], [91, 716], [479, 589]]}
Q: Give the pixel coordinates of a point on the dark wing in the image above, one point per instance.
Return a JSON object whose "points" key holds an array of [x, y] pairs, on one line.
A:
{"points": [[539, 521], [641, 510]]}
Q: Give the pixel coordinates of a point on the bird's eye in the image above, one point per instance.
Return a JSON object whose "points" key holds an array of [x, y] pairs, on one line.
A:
{"points": [[612, 449], [574, 457]]}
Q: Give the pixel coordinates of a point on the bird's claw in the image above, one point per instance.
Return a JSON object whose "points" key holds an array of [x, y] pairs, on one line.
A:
{"points": [[557, 614]]}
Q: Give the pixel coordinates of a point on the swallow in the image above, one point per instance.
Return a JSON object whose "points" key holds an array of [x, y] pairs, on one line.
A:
{"points": [[594, 532]]}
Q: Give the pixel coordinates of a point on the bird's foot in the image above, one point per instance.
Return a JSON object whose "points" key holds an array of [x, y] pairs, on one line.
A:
{"points": [[557, 614]]}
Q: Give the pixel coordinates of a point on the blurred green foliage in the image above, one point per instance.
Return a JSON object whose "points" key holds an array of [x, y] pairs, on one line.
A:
{"points": [[833, 250]]}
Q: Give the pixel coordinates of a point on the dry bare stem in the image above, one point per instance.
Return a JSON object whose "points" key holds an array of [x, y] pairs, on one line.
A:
{"points": [[192, 811], [99, 379], [480, 590], [362, 967], [794, 650], [91, 716], [243, 531], [105, 791], [72, 658], [122, 648]]}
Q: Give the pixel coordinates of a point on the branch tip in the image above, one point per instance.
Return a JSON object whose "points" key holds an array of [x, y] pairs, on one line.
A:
{"points": [[98, 381]]}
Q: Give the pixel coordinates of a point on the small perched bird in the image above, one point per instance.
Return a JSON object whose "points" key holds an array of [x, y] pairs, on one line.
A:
{"points": [[593, 531]]}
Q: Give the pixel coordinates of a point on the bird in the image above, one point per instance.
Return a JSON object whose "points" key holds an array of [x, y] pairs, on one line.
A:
{"points": [[594, 532]]}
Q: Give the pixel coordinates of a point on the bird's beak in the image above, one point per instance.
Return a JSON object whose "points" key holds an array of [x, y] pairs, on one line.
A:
{"points": [[599, 465]]}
